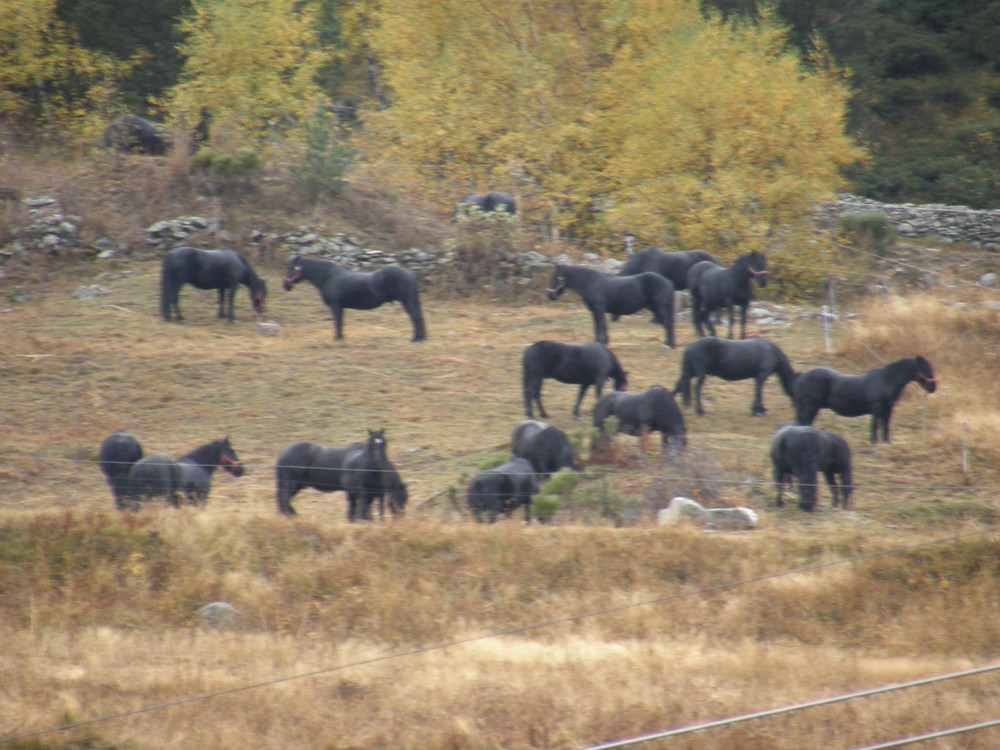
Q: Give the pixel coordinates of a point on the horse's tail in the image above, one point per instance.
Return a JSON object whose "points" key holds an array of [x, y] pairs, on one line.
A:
{"points": [[786, 373]]}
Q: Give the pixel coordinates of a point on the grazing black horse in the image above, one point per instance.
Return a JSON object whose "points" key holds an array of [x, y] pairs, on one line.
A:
{"points": [[585, 365], [487, 202], [617, 295], [502, 489], [673, 266], [641, 413], [222, 269], [157, 475], [874, 392], [741, 359], [544, 446], [119, 451], [799, 452], [342, 288], [714, 287], [305, 464], [133, 134], [198, 466]]}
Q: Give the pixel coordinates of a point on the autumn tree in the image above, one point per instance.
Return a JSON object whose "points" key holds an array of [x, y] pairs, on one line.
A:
{"points": [[669, 123], [46, 79], [251, 65]]}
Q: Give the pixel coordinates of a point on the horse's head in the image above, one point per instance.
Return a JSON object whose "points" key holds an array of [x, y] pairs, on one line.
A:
{"points": [[621, 381], [258, 296], [396, 499], [377, 445], [925, 375], [229, 461], [757, 267], [558, 283], [293, 275]]}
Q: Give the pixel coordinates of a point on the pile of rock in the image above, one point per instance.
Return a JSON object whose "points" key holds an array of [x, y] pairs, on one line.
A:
{"points": [[951, 223], [48, 230]]}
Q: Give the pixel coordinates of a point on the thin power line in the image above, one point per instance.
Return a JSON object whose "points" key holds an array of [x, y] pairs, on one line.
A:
{"points": [[510, 631], [934, 735], [798, 707]]}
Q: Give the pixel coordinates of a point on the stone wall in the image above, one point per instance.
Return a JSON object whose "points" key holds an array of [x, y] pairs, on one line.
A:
{"points": [[949, 223]]}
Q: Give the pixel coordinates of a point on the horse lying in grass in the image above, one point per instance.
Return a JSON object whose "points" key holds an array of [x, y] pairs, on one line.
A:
{"points": [[544, 446], [739, 359], [799, 453]]}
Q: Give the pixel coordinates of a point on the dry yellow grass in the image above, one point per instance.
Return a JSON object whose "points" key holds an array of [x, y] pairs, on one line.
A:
{"points": [[96, 608]]}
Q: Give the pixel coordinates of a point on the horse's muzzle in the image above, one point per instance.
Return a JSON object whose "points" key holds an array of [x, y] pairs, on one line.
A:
{"points": [[286, 285], [555, 293]]}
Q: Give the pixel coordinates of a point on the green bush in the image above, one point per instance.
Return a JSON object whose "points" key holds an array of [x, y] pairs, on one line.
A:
{"points": [[217, 171], [869, 229], [325, 159]]}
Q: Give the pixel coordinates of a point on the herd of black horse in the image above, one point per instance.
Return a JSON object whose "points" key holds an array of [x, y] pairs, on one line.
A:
{"points": [[648, 280]]}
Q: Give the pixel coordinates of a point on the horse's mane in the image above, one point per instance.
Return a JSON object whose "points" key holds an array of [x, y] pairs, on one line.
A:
{"points": [[786, 373]]}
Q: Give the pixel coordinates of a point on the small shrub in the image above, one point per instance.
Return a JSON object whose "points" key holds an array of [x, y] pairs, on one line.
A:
{"points": [[216, 171], [870, 230]]}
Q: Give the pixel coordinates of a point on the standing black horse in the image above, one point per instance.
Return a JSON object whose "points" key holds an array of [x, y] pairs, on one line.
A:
{"points": [[487, 202], [713, 287], [365, 476], [343, 289], [741, 359], [642, 413], [585, 365], [544, 446], [222, 269], [874, 392], [157, 475], [198, 466], [502, 489], [617, 295], [305, 464], [672, 266], [119, 451], [799, 452]]}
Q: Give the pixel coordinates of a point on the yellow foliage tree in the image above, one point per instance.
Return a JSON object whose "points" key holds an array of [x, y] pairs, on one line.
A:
{"points": [[251, 65], [684, 127], [719, 134], [46, 79]]}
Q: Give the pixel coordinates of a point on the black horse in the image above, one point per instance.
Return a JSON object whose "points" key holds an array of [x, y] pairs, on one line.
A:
{"points": [[874, 392], [641, 413], [673, 266], [342, 288], [714, 287], [198, 466], [488, 202], [154, 476], [586, 365], [502, 489], [741, 359], [133, 134], [617, 295], [222, 269], [544, 446], [799, 452], [365, 476], [119, 451], [305, 464]]}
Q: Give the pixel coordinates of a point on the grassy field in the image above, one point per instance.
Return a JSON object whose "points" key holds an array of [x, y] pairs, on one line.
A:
{"points": [[97, 607]]}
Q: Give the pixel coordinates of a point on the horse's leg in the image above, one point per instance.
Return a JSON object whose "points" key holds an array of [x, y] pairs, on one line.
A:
{"points": [[579, 400], [831, 482], [731, 313], [757, 409], [533, 393], [743, 321], [697, 394], [230, 303], [338, 322], [600, 324], [412, 306]]}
